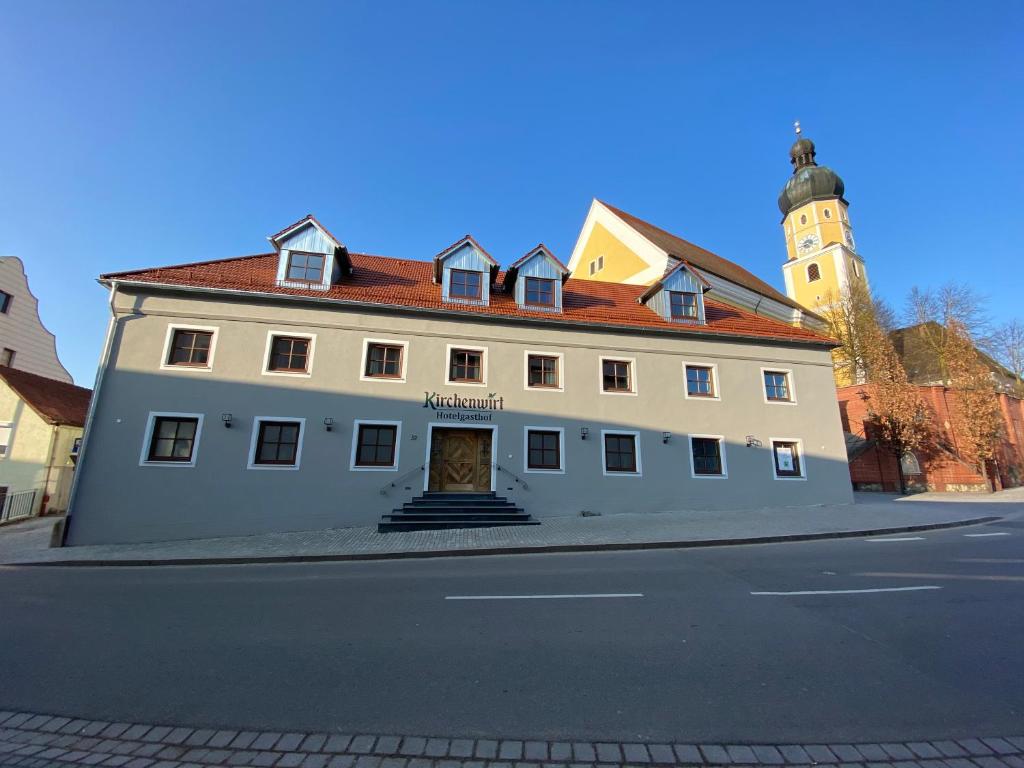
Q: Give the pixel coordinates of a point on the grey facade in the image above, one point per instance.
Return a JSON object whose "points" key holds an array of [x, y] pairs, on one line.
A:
{"points": [[121, 498]]}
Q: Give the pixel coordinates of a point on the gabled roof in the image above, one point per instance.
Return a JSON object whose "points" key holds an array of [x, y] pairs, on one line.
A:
{"points": [[657, 284], [55, 401], [407, 285], [539, 250], [309, 218], [701, 258], [464, 240]]}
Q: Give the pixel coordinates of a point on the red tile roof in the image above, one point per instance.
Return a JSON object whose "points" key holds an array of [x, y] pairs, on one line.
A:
{"points": [[56, 401], [407, 283]]}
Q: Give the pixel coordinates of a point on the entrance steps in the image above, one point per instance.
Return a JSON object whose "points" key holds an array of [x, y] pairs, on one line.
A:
{"points": [[436, 510]]}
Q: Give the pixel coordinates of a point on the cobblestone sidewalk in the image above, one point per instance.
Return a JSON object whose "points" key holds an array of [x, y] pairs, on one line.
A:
{"points": [[871, 514], [29, 740]]}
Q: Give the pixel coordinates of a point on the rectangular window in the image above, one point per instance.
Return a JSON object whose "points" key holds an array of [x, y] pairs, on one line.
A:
{"points": [[700, 381], [289, 354], [5, 302], [786, 455], [465, 284], [620, 453], [776, 386], [466, 365], [543, 450], [542, 371], [7, 357], [277, 443], [190, 348], [173, 439], [683, 305], [306, 267], [615, 376], [707, 455], [376, 445], [540, 291], [5, 438], [384, 361]]}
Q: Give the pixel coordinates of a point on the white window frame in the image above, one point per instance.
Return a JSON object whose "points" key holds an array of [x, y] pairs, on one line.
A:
{"points": [[801, 457], [561, 450], [8, 425], [526, 371], [390, 342], [295, 335], [721, 453], [636, 445], [448, 365], [171, 329], [790, 382], [633, 378], [355, 444], [715, 384], [256, 421], [147, 439]]}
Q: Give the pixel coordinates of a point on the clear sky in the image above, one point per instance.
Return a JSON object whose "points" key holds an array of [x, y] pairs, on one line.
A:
{"points": [[146, 133]]}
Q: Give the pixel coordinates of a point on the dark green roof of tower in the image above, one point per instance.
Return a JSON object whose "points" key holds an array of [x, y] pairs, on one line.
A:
{"points": [[809, 181]]}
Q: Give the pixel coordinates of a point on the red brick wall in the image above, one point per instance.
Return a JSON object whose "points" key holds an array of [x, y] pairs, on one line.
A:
{"points": [[941, 469]]}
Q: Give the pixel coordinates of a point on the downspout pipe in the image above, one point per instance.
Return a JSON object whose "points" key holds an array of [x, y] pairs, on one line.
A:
{"points": [[93, 401]]}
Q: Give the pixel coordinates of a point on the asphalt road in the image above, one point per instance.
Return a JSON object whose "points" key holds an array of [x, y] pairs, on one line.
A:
{"points": [[377, 647]]}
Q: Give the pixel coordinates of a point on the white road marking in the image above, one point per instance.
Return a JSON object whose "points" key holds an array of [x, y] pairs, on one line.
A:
{"points": [[541, 597], [904, 538], [995, 560], [980, 535], [957, 576], [848, 591]]}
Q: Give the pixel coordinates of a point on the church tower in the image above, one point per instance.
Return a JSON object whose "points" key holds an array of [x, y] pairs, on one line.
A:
{"points": [[822, 255]]}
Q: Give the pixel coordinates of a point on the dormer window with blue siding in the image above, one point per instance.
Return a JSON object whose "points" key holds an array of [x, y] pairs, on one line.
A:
{"points": [[678, 296], [465, 272], [309, 256], [536, 281]]}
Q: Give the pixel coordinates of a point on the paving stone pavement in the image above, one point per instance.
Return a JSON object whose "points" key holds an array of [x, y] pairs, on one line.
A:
{"points": [[32, 740], [27, 542]]}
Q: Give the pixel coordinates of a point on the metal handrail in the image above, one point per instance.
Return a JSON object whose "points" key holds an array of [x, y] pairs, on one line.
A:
{"points": [[401, 479], [15, 506], [515, 478]]}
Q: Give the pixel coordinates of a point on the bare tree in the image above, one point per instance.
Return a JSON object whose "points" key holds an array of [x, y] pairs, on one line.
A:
{"points": [[977, 419], [1006, 344], [854, 318], [933, 311], [900, 417]]}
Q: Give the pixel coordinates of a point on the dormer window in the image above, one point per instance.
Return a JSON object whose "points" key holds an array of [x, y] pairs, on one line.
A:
{"points": [[306, 267], [683, 305], [540, 292], [466, 284]]}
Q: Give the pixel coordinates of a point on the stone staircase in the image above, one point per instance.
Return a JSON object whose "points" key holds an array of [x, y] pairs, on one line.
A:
{"points": [[435, 510]]}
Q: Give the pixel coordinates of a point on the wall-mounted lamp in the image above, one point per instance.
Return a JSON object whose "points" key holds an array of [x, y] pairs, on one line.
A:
{"points": [[666, 436], [226, 418], [584, 431], [328, 423], [753, 442]]}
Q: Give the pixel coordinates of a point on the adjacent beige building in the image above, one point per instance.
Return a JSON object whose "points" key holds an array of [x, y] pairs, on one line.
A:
{"points": [[312, 387], [41, 423]]}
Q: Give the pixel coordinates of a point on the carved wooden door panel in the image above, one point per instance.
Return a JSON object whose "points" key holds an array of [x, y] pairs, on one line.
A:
{"points": [[460, 460]]}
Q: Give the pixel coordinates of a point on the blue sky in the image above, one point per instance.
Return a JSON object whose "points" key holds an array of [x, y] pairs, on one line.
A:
{"points": [[143, 133]]}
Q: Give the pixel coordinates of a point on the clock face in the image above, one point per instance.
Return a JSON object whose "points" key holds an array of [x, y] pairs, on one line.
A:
{"points": [[808, 243]]}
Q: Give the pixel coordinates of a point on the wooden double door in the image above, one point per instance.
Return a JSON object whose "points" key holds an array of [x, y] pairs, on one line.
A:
{"points": [[460, 460]]}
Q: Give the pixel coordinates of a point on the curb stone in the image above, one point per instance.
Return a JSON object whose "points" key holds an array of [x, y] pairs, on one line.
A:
{"points": [[514, 550], [32, 740]]}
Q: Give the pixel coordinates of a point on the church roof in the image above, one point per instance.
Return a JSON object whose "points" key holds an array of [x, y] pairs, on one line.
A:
{"points": [[702, 259]]}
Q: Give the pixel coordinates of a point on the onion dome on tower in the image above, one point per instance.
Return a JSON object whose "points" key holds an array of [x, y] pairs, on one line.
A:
{"points": [[809, 181]]}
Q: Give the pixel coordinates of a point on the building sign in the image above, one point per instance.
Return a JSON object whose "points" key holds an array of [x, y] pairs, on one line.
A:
{"points": [[462, 409], [784, 458]]}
